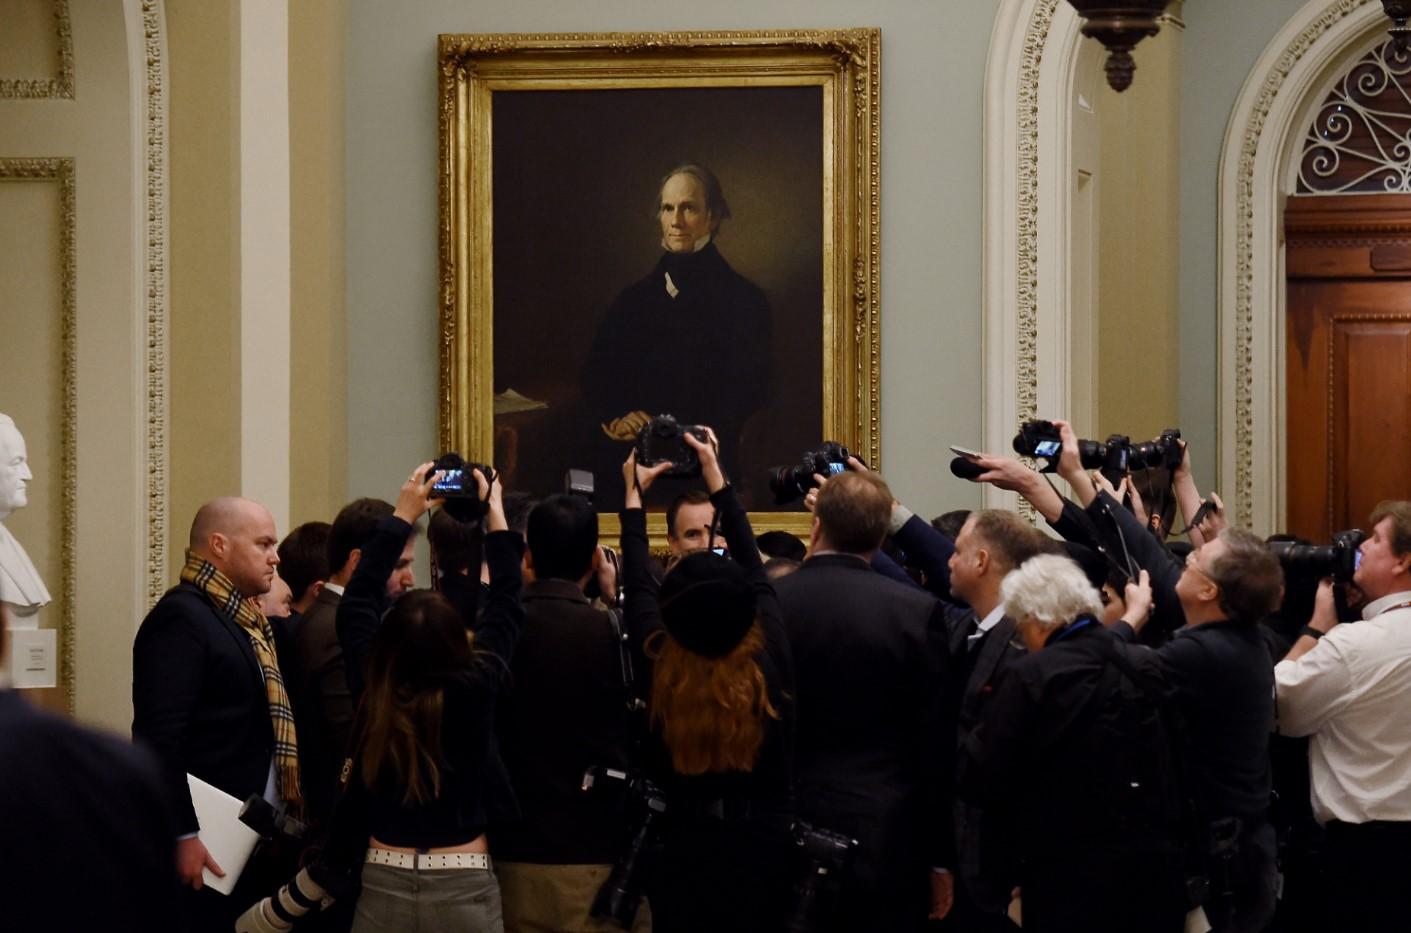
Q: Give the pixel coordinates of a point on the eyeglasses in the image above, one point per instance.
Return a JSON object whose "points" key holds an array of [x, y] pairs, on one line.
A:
{"points": [[1192, 565]]}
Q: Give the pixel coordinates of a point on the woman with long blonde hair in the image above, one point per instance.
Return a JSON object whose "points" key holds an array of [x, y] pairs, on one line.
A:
{"points": [[720, 682]]}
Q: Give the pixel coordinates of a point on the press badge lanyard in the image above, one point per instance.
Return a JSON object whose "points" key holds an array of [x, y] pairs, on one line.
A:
{"points": [[1082, 623]]}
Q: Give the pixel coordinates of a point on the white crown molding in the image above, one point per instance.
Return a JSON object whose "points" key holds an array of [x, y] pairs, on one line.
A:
{"points": [[1266, 127]]}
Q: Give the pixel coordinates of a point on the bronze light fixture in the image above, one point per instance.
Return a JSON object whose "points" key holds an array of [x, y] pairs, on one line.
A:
{"points": [[1120, 24], [1400, 13]]}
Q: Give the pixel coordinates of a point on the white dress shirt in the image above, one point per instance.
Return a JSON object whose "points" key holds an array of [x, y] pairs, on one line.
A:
{"points": [[1350, 693], [987, 623]]}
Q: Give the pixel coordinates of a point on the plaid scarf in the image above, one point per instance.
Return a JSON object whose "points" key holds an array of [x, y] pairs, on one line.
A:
{"points": [[215, 586]]}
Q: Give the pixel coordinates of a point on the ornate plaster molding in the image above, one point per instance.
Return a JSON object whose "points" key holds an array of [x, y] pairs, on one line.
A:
{"points": [[59, 87], [1030, 72], [61, 172], [155, 292]]}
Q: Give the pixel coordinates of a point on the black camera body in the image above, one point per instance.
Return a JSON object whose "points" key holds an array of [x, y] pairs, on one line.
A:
{"points": [[620, 896], [271, 825], [794, 482], [458, 487], [663, 440], [1163, 453], [459, 479], [1338, 560], [825, 856]]}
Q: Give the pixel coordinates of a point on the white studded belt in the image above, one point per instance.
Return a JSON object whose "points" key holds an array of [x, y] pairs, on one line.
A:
{"points": [[425, 861]]}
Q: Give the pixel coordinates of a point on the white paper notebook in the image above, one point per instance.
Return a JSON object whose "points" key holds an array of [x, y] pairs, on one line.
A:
{"points": [[229, 841]]}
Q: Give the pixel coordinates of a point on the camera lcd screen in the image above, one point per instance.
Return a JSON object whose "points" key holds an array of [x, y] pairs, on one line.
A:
{"points": [[1357, 560], [1047, 448], [451, 482], [720, 552], [835, 468]]}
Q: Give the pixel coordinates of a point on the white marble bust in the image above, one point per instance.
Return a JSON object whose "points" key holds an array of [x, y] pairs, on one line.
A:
{"points": [[20, 585]]}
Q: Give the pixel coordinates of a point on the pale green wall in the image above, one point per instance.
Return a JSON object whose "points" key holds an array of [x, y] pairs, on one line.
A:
{"points": [[933, 54], [933, 64], [1223, 41]]}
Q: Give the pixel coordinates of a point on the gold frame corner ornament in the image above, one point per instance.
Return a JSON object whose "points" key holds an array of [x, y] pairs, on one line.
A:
{"points": [[845, 62], [61, 85]]}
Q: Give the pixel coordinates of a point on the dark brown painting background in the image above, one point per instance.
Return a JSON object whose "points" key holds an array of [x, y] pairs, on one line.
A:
{"points": [[576, 176]]}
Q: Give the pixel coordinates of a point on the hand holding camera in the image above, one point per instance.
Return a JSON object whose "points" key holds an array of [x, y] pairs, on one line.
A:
{"points": [[416, 495], [663, 440], [707, 453], [637, 479], [491, 492], [1138, 601]]}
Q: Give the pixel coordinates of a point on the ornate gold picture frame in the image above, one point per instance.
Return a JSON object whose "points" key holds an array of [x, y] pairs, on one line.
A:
{"points": [[552, 149]]}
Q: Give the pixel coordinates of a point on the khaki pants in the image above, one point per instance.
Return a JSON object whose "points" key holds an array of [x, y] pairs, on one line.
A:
{"points": [[557, 898]]}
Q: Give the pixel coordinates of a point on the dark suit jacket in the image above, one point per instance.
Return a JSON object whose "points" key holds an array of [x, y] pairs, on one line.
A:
{"points": [[323, 706], [199, 701], [980, 671], [928, 550], [86, 831], [871, 668], [1087, 849], [565, 710]]}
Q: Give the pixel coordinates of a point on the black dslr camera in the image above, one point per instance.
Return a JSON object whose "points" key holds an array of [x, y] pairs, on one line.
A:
{"points": [[458, 487], [620, 896], [663, 440], [825, 855], [1338, 560], [1115, 457], [271, 825], [794, 482]]}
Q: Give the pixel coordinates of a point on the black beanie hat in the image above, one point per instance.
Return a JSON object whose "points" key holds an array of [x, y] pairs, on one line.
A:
{"points": [[707, 604]]}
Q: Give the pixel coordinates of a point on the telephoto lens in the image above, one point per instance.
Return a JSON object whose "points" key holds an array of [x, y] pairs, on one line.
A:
{"points": [[792, 483]]}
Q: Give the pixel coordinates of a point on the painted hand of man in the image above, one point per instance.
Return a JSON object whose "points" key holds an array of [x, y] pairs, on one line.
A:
{"points": [[627, 427]]}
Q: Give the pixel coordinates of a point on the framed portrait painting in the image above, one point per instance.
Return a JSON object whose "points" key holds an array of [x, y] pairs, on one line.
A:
{"points": [[635, 225]]}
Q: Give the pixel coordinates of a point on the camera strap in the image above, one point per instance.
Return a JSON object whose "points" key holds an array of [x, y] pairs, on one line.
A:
{"points": [[1130, 569], [624, 657]]}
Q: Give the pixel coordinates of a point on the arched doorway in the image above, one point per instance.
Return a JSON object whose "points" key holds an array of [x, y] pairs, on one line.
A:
{"points": [[1257, 173], [1347, 227]]}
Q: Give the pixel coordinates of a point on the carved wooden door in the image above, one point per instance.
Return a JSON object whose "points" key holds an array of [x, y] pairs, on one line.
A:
{"points": [[1348, 359]]}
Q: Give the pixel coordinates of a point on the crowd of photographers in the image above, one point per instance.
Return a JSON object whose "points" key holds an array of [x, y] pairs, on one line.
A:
{"points": [[962, 725]]}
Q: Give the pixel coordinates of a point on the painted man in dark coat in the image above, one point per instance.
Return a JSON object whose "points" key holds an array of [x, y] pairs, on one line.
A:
{"points": [[692, 338]]}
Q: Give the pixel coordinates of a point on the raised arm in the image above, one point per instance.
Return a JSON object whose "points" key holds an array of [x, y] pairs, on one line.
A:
{"points": [[1011, 474], [365, 598], [1119, 530], [499, 626], [639, 587], [739, 537]]}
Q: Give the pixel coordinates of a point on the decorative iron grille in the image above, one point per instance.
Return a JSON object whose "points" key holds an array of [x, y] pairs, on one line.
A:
{"points": [[1360, 141]]}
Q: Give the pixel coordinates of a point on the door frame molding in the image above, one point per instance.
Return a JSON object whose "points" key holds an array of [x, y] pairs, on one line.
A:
{"points": [[1262, 142], [1029, 81]]}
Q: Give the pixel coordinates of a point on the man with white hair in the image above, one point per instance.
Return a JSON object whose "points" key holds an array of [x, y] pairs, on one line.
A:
{"points": [[1072, 768]]}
